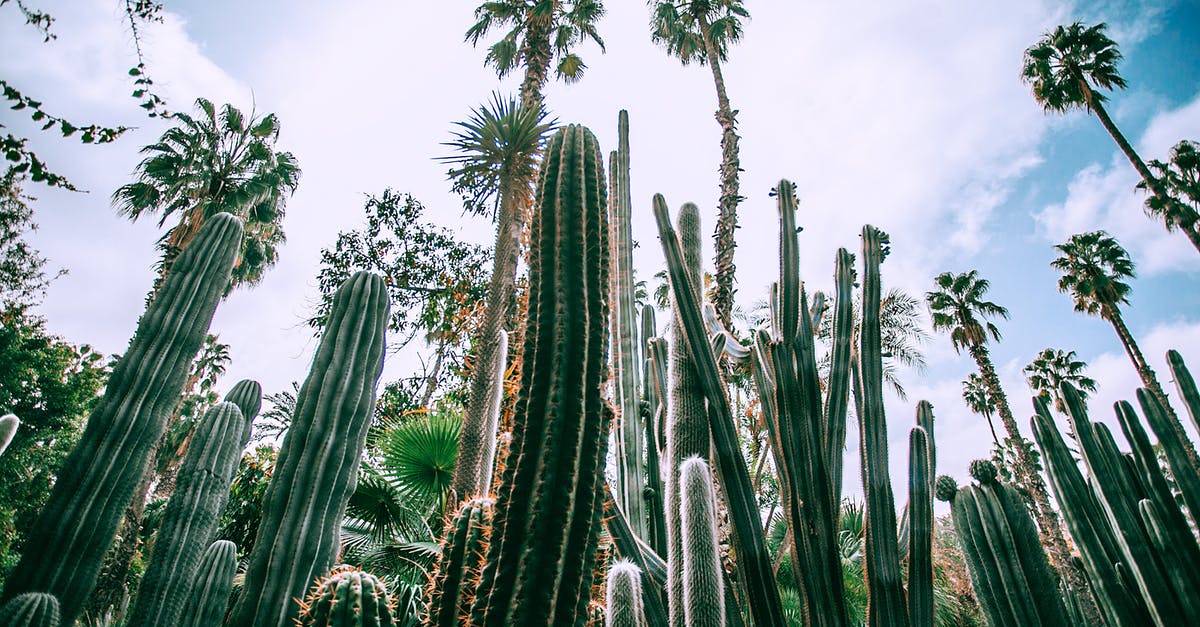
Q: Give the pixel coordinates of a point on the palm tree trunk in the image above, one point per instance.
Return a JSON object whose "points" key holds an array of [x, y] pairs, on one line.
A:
{"points": [[1150, 380], [469, 478], [730, 166], [431, 380], [1049, 526], [536, 54]]}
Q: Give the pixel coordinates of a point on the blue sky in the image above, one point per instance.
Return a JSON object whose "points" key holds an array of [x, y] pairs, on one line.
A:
{"points": [[911, 118]]}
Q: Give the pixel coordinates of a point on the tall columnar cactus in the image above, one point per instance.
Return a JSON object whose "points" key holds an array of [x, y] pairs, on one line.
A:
{"points": [[1186, 385], [920, 517], [625, 322], [66, 548], [318, 462], [651, 421], [348, 597], [452, 586], [1185, 474], [703, 593], [8, 428], [247, 395], [31, 609], [208, 598], [624, 597], [487, 455], [754, 562], [687, 427], [1008, 567], [542, 552], [191, 517]]}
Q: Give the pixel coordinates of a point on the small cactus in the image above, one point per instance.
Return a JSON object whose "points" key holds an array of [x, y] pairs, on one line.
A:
{"points": [[624, 596], [247, 395], [347, 597], [209, 596], [983, 471], [31, 609], [703, 587]]}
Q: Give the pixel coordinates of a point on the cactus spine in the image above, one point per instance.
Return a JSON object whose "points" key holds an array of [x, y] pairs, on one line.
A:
{"points": [[318, 462], [80, 519], [247, 395], [458, 568], [30, 609], [703, 594], [687, 427], [542, 551], [348, 597], [625, 323], [8, 428], [209, 596], [624, 595], [191, 517]]}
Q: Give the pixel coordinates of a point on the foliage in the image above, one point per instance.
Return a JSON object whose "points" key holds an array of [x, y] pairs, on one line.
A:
{"points": [[273, 423], [677, 26], [957, 306], [418, 458], [23, 277], [902, 335], [51, 386], [1050, 369], [216, 163], [244, 510], [571, 22], [1060, 64], [433, 280], [1180, 178], [1094, 268]]}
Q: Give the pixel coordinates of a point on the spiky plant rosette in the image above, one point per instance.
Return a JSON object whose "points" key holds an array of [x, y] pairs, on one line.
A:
{"points": [[348, 596]]}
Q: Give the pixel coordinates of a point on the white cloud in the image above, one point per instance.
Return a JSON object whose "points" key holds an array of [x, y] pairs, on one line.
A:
{"points": [[1103, 196]]}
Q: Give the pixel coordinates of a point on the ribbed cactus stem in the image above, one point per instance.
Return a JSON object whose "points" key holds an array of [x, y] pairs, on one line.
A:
{"points": [[191, 518], [542, 552], [687, 421], [1175, 448], [703, 593], [30, 609], [1186, 386], [920, 516], [64, 552], [452, 588], [348, 597], [487, 459], [247, 395], [8, 429], [208, 599], [318, 462], [652, 419], [624, 595]]}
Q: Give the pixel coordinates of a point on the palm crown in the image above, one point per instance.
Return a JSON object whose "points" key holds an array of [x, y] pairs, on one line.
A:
{"points": [[677, 26], [1094, 267], [216, 163], [1180, 176], [1066, 65], [1051, 368], [958, 306], [976, 395], [571, 23]]}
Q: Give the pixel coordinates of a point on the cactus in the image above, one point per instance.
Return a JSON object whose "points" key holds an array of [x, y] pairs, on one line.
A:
{"points": [[624, 327], [347, 597], [1185, 474], [208, 598], [247, 395], [458, 567], [30, 609], [8, 428], [703, 594], [74, 530], [318, 462], [754, 562], [191, 517], [542, 551], [624, 598], [650, 406], [487, 459], [920, 518], [1186, 385], [1008, 567]]}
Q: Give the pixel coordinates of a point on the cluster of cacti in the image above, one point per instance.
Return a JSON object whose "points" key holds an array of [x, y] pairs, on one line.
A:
{"points": [[212, 582], [1009, 571], [347, 597], [191, 516], [315, 475], [452, 588], [542, 549], [66, 548]]}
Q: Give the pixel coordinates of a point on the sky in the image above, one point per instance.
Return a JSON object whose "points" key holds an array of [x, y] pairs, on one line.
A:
{"points": [[908, 116]]}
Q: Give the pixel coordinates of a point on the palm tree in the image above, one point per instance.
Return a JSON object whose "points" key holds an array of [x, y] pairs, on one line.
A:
{"points": [[702, 31], [958, 306], [1067, 68], [213, 164], [975, 394], [1050, 369], [540, 32], [1094, 270], [498, 146], [1180, 176], [903, 335]]}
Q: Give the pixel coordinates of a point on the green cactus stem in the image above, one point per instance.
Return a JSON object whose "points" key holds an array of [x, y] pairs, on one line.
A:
{"points": [[30, 609], [920, 516], [1175, 448], [1186, 386], [79, 521], [348, 597], [651, 420], [191, 517], [209, 596], [542, 552], [703, 593], [318, 462], [458, 567], [624, 595], [632, 548], [247, 395]]}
